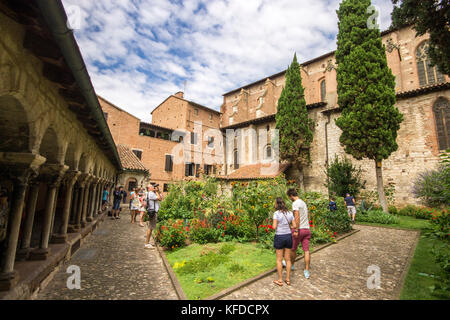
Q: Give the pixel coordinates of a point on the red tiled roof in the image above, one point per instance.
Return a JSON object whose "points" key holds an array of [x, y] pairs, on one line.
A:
{"points": [[129, 160], [254, 171]]}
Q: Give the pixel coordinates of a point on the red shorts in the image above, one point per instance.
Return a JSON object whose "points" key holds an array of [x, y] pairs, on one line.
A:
{"points": [[303, 237]]}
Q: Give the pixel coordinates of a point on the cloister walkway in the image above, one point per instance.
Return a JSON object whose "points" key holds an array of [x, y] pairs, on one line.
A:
{"points": [[115, 266]]}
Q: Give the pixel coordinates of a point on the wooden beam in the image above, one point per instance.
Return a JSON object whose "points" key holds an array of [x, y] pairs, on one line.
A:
{"points": [[58, 75], [44, 49]]}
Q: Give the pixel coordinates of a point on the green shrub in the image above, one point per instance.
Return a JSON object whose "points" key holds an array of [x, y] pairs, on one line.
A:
{"points": [[236, 268], [377, 216], [172, 234], [393, 210], [440, 222], [433, 187], [344, 177], [442, 257], [227, 248], [338, 221]]}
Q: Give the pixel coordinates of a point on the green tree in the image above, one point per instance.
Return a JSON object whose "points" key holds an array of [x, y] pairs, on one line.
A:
{"points": [[293, 123], [366, 90], [427, 17], [344, 176]]}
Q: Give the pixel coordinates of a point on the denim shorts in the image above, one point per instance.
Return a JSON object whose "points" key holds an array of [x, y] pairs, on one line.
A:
{"points": [[282, 241], [116, 205]]}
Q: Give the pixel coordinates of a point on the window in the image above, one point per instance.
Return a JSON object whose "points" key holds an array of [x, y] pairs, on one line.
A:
{"points": [[211, 142], [441, 110], [189, 170], [268, 152], [158, 135], [236, 159], [267, 128], [169, 163], [197, 170], [193, 138], [208, 169], [210, 117], [138, 153], [323, 91], [166, 187], [106, 115], [427, 74], [131, 185], [196, 112]]}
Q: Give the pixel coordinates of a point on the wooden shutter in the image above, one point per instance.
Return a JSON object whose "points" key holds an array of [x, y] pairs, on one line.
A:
{"points": [[169, 163], [197, 170], [186, 169]]}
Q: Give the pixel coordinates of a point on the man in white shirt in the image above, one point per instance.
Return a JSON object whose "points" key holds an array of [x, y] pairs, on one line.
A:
{"points": [[152, 203], [303, 235]]}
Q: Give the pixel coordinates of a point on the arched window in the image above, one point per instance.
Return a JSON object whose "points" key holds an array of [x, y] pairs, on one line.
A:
{"points": [[427, 74], [323, 90], [236, 159], [268, 152], [441, 110]]}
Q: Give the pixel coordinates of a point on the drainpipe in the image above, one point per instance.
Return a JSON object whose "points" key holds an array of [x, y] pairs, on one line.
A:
{"points": [[326, 148], [55, 16]]}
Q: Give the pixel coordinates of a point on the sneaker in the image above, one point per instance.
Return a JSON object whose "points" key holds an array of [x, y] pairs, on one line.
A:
{"points": [[148, 246], [307, 274], [283, 263]]}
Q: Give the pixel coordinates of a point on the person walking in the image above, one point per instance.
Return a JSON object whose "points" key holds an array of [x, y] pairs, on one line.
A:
{"points": [[118, 195], [142, 208], [283, 221], [303, 234], [152, 205], [351, 206], [332, 205], [135, 205]]}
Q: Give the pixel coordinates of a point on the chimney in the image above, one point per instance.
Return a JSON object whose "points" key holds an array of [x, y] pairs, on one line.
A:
{"points": [[180, 94]]}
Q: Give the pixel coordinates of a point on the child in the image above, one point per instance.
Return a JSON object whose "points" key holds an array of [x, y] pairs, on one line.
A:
{"points": [[332, 205]]}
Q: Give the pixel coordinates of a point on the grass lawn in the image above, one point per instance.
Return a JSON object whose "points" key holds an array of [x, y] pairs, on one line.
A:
{"points": [[419, 279], [405, 222], [204, 270]]}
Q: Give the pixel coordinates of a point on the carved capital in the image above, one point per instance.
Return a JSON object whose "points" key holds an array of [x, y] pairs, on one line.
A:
{"points": [[83, 179], [20, 167], [71, 177], [52, 174]]}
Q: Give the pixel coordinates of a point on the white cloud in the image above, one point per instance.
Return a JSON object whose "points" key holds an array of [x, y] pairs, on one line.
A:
{"points": [[138, 52]]}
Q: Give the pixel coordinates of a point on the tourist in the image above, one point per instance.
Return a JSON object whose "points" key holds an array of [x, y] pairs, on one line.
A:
{"points": [[283, 221], [105, 198], [142, 208], [152, 205], [135, 205], [303, 235], [118, 195], [332, 205], [351, 206]]}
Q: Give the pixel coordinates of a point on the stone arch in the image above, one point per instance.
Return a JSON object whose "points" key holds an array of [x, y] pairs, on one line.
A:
{"points": [[50, 147], [14, 128], [70, 158]]}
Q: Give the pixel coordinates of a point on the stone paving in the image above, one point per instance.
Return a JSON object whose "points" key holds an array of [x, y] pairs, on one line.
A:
{"points": [[114, 266], [340, 271]]}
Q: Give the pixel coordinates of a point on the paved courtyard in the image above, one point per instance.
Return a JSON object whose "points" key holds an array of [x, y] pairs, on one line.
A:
{"points": [[340, 271], [114, 266]]}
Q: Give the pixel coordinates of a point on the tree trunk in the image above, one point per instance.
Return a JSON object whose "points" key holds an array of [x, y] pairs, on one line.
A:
{"points": [[297, 175], [380, 187]]}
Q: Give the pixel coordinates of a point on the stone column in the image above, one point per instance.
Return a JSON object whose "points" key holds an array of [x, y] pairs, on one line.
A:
{"points": [[85, 201], [52, 174], [69, 181], [19, 167], [24, 251], [72, 225], [93, 202]]}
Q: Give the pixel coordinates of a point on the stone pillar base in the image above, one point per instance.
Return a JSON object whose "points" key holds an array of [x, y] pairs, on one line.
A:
{"points": [[58, 238], [23, 254], [8, 280], [89, 219], [74, 228], [39, 254], [83, 224]]}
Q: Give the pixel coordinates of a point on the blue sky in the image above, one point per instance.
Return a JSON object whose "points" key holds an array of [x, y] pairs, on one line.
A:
{"points": [[138, 52]]}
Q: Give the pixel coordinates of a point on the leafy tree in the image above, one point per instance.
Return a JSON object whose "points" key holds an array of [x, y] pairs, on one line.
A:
{"points": [[344, 176], [366, 90], [427, 17], [293, 123]]}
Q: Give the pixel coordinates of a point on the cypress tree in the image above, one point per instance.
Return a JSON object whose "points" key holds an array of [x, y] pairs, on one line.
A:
{"points": [[366, 90], [293, 123]]}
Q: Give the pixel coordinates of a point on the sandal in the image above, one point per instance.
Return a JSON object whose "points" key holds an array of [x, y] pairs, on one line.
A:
{"points": [[278, 283], [287, 282]]}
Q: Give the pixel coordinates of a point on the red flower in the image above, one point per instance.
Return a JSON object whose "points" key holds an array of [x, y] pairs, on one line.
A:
{"points": [[223, 234]]}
